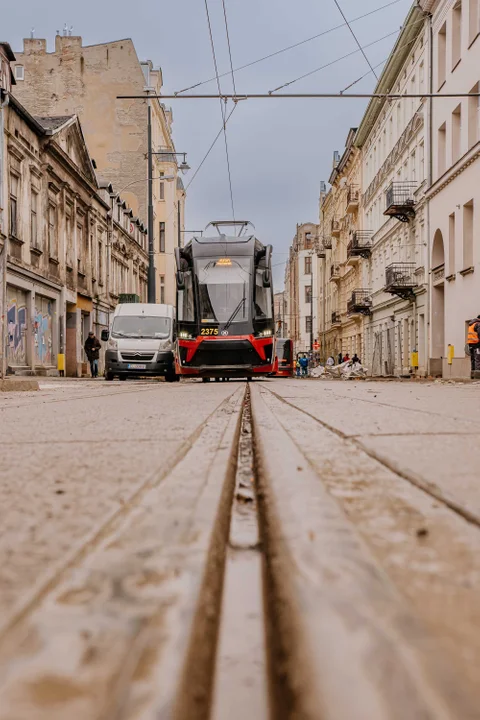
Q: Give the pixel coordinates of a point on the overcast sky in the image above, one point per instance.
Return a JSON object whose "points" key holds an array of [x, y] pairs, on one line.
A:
{"points": [[280, 150]]}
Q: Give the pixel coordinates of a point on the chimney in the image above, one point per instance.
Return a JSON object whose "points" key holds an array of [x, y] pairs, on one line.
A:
{"points": [[66, 43], [34, 46]]}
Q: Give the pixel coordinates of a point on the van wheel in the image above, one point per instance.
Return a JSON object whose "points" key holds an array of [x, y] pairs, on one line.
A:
{"points": [[122, 377], [108, 376], [171, 377]]}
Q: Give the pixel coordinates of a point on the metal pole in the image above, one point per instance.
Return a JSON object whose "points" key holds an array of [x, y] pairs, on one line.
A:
{"points": [[4, 249], [151, 248], [311, 309], [179, 231]]}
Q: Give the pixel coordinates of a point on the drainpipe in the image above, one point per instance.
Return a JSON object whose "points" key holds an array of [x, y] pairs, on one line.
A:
{"points": [[3, 251], [429, 185]]}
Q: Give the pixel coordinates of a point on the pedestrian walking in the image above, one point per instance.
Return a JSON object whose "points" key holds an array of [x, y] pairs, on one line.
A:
{"points": [[340, 358], [473, 341], [346, 358], [356, 359], [304, 365], [298, 367], [92, 351]]}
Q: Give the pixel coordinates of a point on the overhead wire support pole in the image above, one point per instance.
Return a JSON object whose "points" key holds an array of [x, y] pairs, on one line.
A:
{"points": [[151, 246]]}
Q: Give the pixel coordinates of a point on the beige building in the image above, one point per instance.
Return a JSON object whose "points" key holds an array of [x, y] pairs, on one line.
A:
{"points": [[68, 258], [454, 192], [86, 80], [340, 267]]}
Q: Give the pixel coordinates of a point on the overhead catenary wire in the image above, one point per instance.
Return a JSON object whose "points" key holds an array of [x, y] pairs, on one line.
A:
{"points": [[229, 46], [355, 38], [290, 47], [222, 108], [332, 62], [304, 96]]}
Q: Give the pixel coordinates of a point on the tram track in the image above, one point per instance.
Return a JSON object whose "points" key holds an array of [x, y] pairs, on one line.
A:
{"points": [[233, 586]]}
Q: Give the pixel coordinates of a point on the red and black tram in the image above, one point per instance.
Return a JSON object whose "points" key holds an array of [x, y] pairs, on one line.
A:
{"points": [[225, 318], [284, 362]]}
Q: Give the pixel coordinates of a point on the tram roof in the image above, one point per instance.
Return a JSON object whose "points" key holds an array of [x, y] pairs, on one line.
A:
{"points": [[232, 244]]}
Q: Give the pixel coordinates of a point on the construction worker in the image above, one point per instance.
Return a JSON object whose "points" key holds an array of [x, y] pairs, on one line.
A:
{"points": [[473, 340]]}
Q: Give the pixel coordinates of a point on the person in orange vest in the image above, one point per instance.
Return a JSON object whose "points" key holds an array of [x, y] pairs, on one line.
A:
{"points": [[473, 340]]}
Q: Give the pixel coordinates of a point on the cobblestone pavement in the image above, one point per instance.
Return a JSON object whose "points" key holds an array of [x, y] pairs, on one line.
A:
{"points": [[284, 548]]}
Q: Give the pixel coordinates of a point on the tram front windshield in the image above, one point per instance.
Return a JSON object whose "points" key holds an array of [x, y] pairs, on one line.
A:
{"points": [[224, 289]]}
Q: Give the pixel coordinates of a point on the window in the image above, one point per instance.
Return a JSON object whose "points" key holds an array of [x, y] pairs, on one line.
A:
{"points": [[263, 297], [185, 300], [308, 293], [308, 241], [33, 219], [162, 236], [442, 55], [456, 133], [14, 205], [161, 188], [413, 166], [308, 324], [451, 244], [100, 259], [442, 149], [473, 117], [456, 34], [468, 235], [52, 232], [19, 72], [422, 162], [308, 265], [68, 237], [421, 75], [162, 289], [474, 17]]}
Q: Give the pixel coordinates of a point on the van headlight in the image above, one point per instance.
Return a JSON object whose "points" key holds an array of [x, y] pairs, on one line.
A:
{"points": [[112, 344], [165, 345]]}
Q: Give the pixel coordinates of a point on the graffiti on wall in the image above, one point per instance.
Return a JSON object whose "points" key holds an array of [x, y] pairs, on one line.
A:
{"points": [[17, 327], [42, 331]]}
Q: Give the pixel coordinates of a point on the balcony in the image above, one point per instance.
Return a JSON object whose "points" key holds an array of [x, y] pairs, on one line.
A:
{"points": [[400, 201], [353, 199], [327, 242], [336, 318], [438, 275], [359, 246], [400, 280], [360, 303], [334, 273], [336, 229]]}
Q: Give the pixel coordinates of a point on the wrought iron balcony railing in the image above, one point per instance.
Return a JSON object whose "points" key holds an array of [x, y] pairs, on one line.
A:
{"points": [[353, 198], [400, 279], [336, 228], [335, 318], [361, 244], [334, 272], [400, 200], [360, 302], [327, 242]]}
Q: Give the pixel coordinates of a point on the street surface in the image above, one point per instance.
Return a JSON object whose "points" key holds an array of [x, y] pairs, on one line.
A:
{"points": [[276, 549]]}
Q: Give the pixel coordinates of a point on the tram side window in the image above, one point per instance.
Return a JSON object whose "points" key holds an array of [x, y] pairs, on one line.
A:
{"points": [[263, 297], [186, 307]]}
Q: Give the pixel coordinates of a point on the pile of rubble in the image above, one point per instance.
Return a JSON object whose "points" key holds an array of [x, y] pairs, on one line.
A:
{"points": [[345, 371]]}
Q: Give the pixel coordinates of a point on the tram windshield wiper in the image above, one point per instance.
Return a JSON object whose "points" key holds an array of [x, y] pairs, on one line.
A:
{"points": [[236, 311]]}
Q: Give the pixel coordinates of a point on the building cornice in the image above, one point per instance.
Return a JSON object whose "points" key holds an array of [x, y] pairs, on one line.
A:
{"points": [[453, 172], [411, 29]]}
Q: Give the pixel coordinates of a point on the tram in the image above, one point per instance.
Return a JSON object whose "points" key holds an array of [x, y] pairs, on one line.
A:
{"points": [[284, 362], [225, 317]]}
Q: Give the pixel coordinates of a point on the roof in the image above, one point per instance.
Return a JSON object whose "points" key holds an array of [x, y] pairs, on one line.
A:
{"points": [[8, 51], [54, 123]]}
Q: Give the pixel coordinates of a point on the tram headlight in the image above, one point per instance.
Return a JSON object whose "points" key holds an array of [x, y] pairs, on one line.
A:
{"points": [[265, 333], [185, 335]]}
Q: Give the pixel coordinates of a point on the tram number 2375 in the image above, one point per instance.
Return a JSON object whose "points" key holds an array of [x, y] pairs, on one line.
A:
{"points": [[209, 331]]}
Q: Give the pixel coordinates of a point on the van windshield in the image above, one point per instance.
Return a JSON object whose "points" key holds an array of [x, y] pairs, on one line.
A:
{"points": [[141, 326]]}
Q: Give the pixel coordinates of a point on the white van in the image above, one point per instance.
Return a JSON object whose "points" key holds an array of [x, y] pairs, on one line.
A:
{"points": [[140, 341]]}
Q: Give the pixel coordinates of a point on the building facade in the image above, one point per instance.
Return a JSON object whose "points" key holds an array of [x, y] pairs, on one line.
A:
{"points": [[86, 80], [302, 287], [72, 246], [454, 192], [392, 301]]}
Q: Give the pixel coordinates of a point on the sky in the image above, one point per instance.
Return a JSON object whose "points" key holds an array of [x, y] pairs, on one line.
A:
{"points": [[279, 150]]}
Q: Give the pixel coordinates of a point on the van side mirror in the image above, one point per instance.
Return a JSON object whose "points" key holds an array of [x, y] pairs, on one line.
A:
{"points": [[180, 280], [105, 335]]}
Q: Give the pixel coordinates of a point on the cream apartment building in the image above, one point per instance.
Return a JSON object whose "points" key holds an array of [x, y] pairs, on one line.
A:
{"points": [[392, 299], [85, 80], [454, 194], [302, 287]]}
